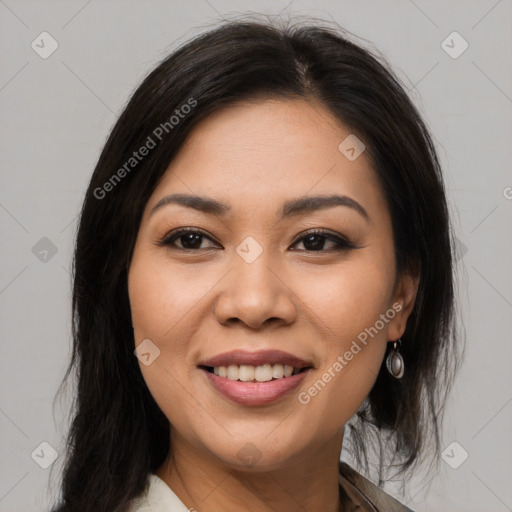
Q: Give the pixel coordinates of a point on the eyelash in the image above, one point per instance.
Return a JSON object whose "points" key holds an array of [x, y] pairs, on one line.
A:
{"points": [[342, 243]]}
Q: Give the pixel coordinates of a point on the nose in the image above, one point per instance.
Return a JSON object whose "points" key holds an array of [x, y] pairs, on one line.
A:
{"points": [[255, 294]]}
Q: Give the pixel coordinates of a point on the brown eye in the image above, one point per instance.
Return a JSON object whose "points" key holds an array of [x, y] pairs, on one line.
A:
{"points": [[189, 239], [315, 241]]}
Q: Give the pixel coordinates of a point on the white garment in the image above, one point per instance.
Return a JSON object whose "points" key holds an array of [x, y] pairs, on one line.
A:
{"points": [[158, 498]]}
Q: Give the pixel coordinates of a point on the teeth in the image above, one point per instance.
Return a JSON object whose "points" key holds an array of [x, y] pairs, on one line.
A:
{"points": [[277, 371], [262, 373], [246, 373], [233, 371]]}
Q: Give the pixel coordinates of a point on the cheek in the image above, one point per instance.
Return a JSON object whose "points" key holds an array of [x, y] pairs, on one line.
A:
{"points": [[163, 302], [348, 308], [350, 365], [344, 301], [161, 297], [160, 301]]}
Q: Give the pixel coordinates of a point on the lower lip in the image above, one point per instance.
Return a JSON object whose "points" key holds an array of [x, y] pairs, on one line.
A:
{"points": [[255, 393]]}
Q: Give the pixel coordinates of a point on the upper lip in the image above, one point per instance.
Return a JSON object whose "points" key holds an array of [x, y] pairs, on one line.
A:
{"points": [[258, 358]]}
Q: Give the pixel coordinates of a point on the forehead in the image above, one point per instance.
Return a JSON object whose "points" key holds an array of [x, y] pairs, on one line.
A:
{"points": [[260, 152]]}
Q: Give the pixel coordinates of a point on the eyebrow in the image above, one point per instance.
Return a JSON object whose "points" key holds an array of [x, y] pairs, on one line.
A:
{"points": [[290, 208]]}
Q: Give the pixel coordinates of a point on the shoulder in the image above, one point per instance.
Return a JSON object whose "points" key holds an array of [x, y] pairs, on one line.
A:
{"points": [[366, 494]]}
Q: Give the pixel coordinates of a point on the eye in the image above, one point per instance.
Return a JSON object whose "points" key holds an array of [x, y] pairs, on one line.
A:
{"points": [[314, 241], [190, 239]]}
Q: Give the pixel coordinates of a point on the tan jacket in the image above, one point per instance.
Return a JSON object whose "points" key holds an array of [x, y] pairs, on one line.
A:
{"points": [[357, 493], [364, 494]]}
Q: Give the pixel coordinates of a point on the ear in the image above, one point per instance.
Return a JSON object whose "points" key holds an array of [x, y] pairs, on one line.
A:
{"points": [[403, 301]]}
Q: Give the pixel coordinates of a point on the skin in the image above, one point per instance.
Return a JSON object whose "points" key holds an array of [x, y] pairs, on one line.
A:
{"points": [[311, 302]]}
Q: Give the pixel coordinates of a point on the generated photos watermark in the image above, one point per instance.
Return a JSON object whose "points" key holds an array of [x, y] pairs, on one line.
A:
{"points": [[157, 135], [342, 360]]}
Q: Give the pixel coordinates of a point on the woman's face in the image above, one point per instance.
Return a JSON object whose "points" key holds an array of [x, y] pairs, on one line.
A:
{"points": [[256, 280]]}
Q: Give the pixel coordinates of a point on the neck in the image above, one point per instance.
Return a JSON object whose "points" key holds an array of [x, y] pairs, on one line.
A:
{"points": [[203, 482]]}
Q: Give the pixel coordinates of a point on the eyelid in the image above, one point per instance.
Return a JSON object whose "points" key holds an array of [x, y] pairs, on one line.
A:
{"points": [[330, 235], [175, 233]]}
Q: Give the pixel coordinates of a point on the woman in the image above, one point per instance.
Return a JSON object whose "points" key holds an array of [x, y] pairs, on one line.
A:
{"points": [[263, 275]]}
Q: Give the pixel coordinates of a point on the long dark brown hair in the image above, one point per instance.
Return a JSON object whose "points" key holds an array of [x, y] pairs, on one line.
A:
{"points": [[118, 434]]}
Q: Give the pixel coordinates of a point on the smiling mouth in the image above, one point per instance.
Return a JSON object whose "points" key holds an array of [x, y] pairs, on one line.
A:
{"points": [[261, 373]]}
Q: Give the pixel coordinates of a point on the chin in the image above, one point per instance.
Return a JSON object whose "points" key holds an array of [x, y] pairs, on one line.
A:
{"points": [[254, 453]]}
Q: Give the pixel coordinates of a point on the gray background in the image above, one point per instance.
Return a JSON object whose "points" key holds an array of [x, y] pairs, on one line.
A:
{"points": [[57, 112]]}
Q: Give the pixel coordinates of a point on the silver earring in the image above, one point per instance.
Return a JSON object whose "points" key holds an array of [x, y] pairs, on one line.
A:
{"points": [[395, 361]]}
